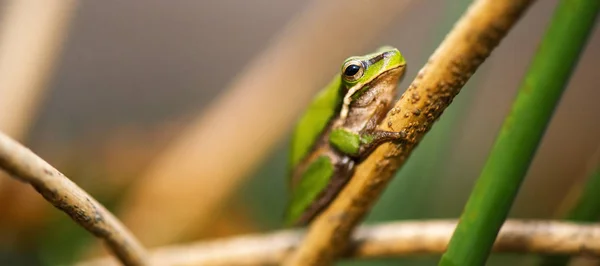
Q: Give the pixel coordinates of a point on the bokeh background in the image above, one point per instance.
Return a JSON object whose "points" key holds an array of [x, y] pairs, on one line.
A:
{"points": [[116, 90]]}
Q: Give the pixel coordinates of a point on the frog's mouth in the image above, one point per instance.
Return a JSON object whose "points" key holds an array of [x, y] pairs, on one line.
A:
{"points": [[348, 97]]}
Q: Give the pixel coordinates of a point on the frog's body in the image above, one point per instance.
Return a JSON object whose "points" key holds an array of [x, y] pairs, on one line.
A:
{"points": [[339, 129]]}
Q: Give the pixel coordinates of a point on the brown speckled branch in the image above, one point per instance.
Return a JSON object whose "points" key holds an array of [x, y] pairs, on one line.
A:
{"points": [[65, 195], [384, 240], [470, 42]]}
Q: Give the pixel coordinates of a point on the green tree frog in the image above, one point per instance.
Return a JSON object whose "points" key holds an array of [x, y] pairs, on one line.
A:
{"points": [[339, 129]]}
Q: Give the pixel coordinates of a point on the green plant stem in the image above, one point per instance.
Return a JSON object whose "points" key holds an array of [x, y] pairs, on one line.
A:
{"points": [[587, 209], [521, 133]]}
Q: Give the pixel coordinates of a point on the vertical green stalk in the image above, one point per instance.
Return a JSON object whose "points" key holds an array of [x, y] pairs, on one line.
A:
{"points": [[587, 209], [521, 132]]}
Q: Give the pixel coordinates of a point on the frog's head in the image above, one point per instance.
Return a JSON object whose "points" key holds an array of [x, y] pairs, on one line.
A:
{"points": [[361, 73], [360, 70]]}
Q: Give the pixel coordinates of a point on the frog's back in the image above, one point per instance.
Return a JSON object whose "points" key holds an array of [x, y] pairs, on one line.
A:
{"points": [[310, 159], [314, 121]]}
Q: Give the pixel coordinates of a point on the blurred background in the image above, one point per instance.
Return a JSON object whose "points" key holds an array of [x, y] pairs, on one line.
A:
{"points": [[176, 114]]}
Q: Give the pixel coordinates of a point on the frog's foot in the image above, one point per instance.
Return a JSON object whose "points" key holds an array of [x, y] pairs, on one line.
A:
{"points": [[375, 138]]}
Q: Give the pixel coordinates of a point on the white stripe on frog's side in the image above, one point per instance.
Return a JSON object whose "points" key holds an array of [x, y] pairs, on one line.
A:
{"points": [[347, 101]]}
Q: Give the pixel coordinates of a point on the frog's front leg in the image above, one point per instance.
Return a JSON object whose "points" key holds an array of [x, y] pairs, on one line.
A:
{"points": [[361, 145], [378, 137]]}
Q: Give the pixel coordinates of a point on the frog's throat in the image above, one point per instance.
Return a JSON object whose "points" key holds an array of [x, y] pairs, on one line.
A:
{"points": [[348, 97]]}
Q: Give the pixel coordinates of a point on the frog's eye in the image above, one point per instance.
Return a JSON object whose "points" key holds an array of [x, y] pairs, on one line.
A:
{"points": [[353, 70]]}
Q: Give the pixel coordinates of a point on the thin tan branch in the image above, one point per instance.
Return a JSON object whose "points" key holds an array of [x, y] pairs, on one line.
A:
{"points": [[471, 41], [384, 240], [65, 195]]}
